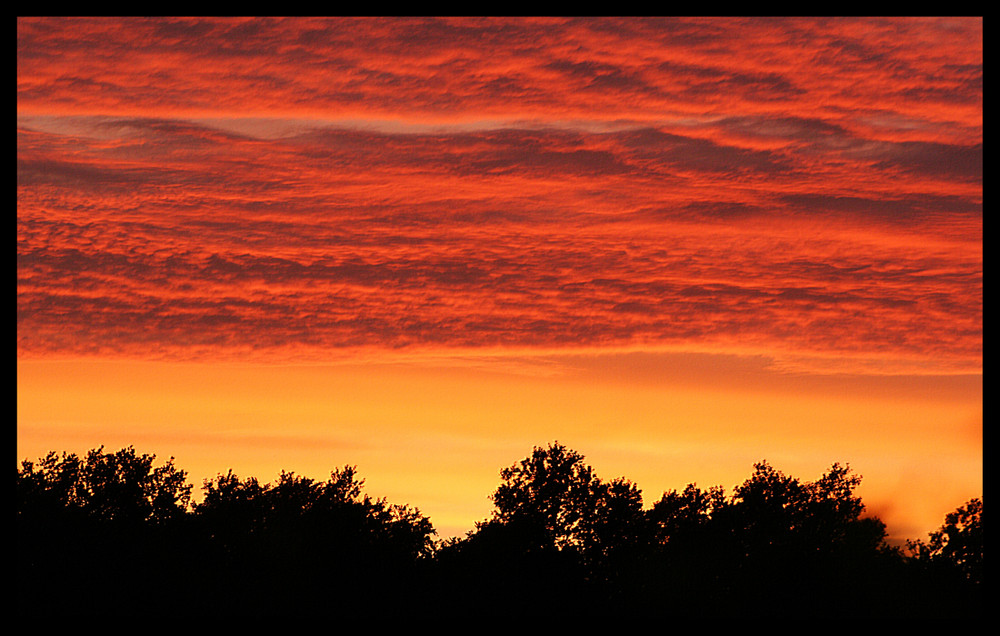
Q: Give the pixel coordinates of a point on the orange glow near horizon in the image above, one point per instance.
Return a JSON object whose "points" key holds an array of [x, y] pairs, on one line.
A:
{"points": [[436, 436], [423, 246]]}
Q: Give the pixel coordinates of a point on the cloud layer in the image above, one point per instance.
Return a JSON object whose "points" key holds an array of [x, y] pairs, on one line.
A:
{"points": [[805, 188]]}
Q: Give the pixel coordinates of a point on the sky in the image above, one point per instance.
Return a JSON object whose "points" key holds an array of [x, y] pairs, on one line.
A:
{"points": [[423, 246]]}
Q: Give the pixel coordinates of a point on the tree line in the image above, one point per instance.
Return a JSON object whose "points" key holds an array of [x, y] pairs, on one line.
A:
{"points": [[112, 533]]}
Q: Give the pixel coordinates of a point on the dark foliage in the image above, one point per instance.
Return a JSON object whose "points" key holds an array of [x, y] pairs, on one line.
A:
{"points": [[99, 533], [113, 534], [556, 536], [947, 571], [777, 547]]}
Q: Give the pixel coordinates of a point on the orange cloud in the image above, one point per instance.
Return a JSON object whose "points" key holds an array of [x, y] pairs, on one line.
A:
{"points": [[769, 184]]}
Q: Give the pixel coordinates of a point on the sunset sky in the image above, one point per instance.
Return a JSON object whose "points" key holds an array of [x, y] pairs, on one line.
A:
{"points": [[423, 246]]}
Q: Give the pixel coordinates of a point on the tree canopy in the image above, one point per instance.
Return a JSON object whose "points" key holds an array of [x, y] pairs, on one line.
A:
{"points": [[121, 487], [332, 514], [556, 493], [958, 544], [119, 532]]}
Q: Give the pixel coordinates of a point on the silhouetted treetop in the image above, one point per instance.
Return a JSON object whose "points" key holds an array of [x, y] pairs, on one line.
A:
{"points": [[335, 512], [116, 532], [555, 492], [684, 513], [121, 487], [958, 544], [814, 515]]}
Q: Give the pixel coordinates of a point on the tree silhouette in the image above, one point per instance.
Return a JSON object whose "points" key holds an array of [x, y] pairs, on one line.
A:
{"points": [[946, 573], [114, 533], [557, 535], [330, 515], [776, 512], [301, 542], [121, 487], [85, 527], [776, 546], [568, 507], [958, 544]]}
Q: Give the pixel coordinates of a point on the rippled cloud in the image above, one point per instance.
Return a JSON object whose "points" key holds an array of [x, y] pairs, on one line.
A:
{"points": [[804, 189]]}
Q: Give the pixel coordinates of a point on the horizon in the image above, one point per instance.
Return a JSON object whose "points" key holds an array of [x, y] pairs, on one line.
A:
{"points": [[423, 246]]}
